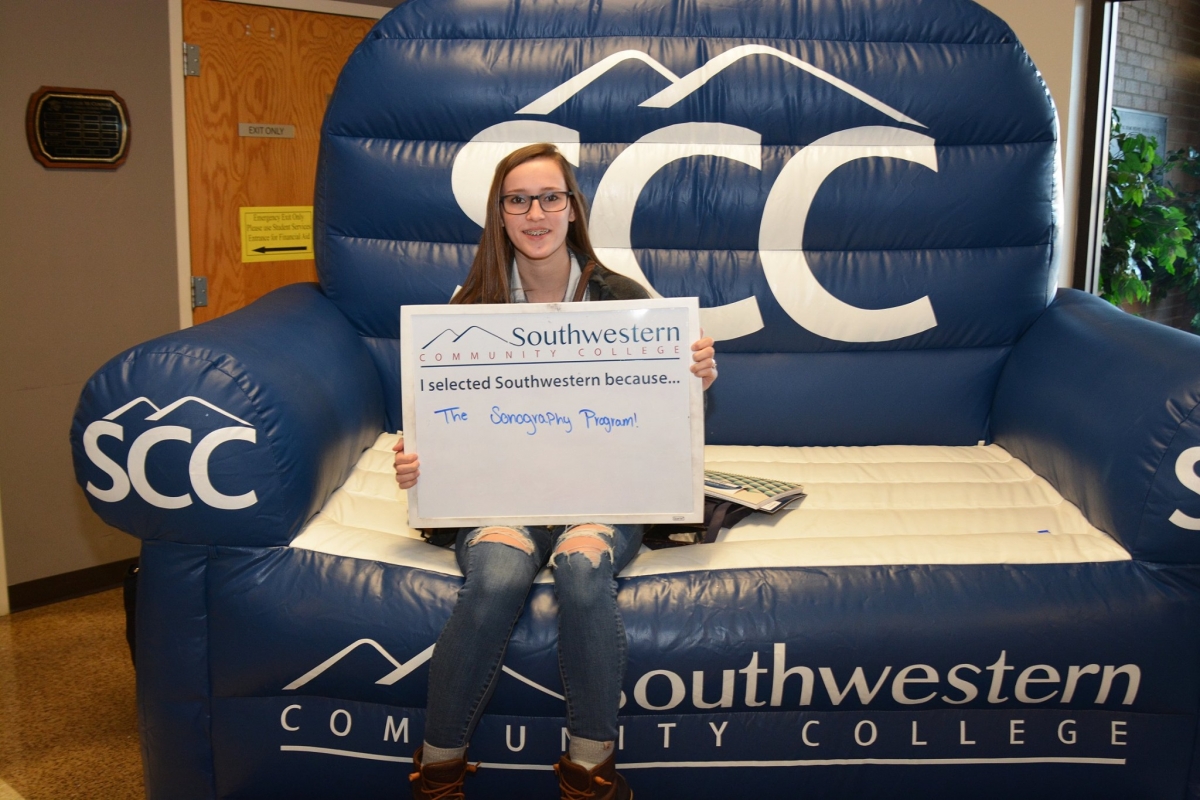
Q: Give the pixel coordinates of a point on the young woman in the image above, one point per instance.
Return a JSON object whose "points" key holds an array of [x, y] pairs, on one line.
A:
{"points": [[535, 249]]}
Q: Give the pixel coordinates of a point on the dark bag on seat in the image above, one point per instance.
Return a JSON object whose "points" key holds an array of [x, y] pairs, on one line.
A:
{"points": [[718, 514]]}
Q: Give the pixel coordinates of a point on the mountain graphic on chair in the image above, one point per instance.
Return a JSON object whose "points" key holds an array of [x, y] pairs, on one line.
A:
{"points": [[401, 671], [160, 413]]}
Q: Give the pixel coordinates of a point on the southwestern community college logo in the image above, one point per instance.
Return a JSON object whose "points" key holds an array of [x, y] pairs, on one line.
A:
{"points": [[781, 231], [700, 718], [144, 424]]}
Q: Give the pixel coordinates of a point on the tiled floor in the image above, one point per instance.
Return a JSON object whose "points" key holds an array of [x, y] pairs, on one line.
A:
{"points": [[68, 720]]}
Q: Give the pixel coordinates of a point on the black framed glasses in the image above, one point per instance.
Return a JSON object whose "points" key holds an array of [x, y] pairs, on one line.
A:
{"points": [[551, 201]]}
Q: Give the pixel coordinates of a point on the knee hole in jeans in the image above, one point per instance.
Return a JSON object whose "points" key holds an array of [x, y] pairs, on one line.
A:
{"points": [[591, 540], [506, 536]]}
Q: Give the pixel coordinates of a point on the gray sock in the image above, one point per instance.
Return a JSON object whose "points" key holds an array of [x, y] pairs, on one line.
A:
{"points": [[436, 755], [587, 753]]}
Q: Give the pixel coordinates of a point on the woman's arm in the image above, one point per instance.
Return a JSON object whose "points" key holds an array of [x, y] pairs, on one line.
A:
{"points": [[704, 361], [408, 467]]}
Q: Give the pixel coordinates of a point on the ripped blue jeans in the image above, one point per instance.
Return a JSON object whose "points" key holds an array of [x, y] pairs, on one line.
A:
{"points": [[499, 564]]}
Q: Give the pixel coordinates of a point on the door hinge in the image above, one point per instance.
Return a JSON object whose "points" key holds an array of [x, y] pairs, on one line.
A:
{"points": [[191, 60], [199, 291]]}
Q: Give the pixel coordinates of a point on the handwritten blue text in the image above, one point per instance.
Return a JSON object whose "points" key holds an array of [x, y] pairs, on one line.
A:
{"points": [[547, 419], [593, 420]]}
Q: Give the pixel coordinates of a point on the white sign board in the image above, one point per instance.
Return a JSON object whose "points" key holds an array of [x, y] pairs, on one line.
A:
{"points": [[556, 413], [1146, 123]]}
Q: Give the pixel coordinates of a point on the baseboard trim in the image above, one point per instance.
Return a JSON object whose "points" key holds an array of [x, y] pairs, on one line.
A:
{"points": [[43, 591]]}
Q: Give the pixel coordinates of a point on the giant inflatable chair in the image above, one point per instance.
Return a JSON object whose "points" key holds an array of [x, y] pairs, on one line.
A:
{"points": [[992, 588]]}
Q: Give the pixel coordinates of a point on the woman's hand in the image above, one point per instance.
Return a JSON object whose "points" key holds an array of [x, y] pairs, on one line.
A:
{"points": [[704, 361], [407, 466]]}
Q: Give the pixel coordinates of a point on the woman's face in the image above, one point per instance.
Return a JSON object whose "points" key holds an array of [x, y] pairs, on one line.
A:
{"points": [[537, 235]]}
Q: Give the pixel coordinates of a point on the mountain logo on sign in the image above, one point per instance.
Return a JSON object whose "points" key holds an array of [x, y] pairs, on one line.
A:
{"points": [[450, 336]]}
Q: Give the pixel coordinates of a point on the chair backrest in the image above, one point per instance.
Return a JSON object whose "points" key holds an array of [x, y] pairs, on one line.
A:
{"points": [[862, 195]]}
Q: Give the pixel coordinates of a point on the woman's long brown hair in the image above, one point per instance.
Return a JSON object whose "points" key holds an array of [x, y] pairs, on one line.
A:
{"points": [[487, 282]]}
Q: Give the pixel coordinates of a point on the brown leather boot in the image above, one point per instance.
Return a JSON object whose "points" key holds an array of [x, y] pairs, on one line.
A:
{"points": [[440, 781], [603, 782]]}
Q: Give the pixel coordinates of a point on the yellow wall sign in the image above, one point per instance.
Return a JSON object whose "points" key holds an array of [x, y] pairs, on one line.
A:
{"points": [[276, 233]]}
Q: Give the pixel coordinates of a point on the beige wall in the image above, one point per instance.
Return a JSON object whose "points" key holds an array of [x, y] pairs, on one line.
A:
{"points": [[87, 267]]}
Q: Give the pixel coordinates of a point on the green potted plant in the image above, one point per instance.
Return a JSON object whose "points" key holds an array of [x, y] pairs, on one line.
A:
{"points": [[1149, 246], [1187, 161]]}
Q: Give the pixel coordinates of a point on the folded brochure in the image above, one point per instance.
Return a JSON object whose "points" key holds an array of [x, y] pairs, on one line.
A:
{"points": [[760, 494]]}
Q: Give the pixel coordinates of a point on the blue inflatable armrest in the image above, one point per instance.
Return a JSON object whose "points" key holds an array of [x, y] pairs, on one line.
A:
{"points": [[233, 432], [1103, 405]]}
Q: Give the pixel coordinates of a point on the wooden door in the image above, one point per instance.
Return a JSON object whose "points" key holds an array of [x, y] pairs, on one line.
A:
{"points": [[263, 66]]}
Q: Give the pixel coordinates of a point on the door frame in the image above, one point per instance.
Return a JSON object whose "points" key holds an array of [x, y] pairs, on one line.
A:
{"points": [[183, 241], [3, 572]]}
